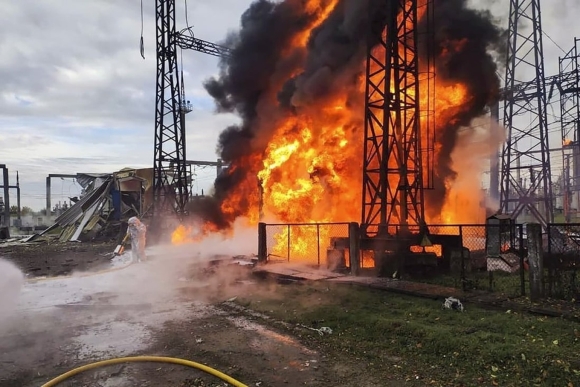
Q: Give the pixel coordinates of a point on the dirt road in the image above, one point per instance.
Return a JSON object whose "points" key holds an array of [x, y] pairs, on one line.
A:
{"points": [[163, 307]]}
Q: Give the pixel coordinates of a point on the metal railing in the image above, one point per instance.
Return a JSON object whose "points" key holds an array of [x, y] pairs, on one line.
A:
{"points": [[320, 244], [472, 257]]}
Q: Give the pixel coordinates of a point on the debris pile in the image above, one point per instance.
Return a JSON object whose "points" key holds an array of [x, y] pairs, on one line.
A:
{"points": [[107, 202]]}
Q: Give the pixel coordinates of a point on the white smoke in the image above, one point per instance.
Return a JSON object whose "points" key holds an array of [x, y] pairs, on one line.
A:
{"points": [[473, 155], [11, 283]]}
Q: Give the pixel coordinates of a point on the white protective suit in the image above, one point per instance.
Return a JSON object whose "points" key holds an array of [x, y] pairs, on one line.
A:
{"points": [[138, 232]]}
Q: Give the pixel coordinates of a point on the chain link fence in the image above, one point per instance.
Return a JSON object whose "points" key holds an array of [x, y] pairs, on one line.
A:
{"points": [[324, 245], [494, 258], [487, 258], [562, 261]]}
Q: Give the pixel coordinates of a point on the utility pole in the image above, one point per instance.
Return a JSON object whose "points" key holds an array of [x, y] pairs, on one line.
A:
{"points": [[527, 146], [567, 202], [393, 170]]}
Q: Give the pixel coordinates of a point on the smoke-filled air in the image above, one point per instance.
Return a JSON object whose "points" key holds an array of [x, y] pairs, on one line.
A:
{"points": [[296, 79]]}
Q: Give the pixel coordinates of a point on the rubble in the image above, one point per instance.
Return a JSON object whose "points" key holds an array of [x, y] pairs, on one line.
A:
{"points": [[108, 201]]}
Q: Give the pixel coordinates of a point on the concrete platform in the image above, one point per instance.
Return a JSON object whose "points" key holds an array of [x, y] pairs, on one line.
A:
{"points": [[295, 271]]}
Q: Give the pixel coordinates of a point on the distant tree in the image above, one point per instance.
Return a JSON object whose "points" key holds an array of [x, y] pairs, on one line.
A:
{"points": [[23, 211]]}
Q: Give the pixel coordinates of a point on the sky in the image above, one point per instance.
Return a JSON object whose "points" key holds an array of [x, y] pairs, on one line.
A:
{"points": [[78, 97]]}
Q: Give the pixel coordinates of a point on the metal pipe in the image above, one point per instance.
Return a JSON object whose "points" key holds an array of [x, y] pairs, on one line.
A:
{"points": [[48, 206], [18, 198], [17, 188], [6, 182]]}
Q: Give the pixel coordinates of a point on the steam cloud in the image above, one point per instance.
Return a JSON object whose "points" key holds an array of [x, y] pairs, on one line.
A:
{"points": [[11, 283], [258, 82]]}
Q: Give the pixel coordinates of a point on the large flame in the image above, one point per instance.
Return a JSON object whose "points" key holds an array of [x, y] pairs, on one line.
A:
{"points": [[311, 169]]}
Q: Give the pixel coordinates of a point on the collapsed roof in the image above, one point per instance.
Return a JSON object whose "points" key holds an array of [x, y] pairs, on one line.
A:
{"points": [[108, 200]]}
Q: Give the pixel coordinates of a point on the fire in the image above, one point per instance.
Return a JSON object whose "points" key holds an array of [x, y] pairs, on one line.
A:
{"points": [[192, 233], [180, 235], [311, 168]]}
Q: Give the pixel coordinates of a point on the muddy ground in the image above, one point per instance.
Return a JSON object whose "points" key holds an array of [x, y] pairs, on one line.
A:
{"points": [[163, 308], [53, 258]]}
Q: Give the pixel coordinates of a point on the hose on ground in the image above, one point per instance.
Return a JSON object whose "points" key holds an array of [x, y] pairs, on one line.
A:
{"points": [[145, 359]]}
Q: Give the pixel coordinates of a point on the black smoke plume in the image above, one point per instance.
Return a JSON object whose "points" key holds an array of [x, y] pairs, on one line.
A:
{"points": [[256, 82], [464, 40]]}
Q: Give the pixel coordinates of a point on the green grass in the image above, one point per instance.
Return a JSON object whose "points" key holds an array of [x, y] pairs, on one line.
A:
{"points": [[499, 282], [415, 339]]}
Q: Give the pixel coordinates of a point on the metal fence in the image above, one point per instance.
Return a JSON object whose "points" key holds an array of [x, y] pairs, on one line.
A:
{"points": [[480, 257], [319, 244], [562, 261]]}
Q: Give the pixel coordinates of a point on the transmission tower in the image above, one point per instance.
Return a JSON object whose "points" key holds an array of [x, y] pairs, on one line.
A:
{"points": [[526, 147], [393, 173], [171, 186], [569, 87]]}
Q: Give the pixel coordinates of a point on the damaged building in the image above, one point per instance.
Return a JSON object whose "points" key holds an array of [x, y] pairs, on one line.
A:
{"points": [[105, 204]]}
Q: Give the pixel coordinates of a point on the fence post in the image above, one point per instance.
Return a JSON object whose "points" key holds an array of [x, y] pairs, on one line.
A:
{"points": [[288, 251], [318, 243], [354, 248], [462, 275], [536, 261], [262, 243], [551, 273], [522, 260]]}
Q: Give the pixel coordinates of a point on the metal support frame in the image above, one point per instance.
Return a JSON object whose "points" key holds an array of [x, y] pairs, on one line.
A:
{"points": [[569, 88], [187, 41], [6, 187], [17, 188], [526, 147], [170, 188], [48, 188], [219, 165], [393, 161], [566, 188]]}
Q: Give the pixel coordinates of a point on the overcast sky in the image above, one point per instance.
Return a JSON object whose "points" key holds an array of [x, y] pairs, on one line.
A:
{"points": [[78, 97]]}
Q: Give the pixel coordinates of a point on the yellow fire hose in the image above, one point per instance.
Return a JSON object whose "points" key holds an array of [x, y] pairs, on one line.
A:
{"points": [[147, 359]]}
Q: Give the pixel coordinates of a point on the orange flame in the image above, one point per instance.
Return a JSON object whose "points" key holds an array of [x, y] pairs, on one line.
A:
{"points": [[311, 169]]}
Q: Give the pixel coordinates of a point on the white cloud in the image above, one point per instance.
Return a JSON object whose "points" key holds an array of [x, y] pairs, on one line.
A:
{"points": [[77, 96]]}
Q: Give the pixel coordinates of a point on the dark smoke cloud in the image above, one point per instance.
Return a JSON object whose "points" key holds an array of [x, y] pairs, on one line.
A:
{"points": [[256, 82], [245, 77], [465, 40], [336, 50], [261, 64]]}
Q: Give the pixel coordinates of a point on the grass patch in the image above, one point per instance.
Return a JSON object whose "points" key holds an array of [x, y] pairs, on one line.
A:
{"points": [[498, 282], [416, 339]]}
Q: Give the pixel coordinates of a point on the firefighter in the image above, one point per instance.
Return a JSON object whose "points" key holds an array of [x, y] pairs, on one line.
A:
{"points": [[137, 231]]}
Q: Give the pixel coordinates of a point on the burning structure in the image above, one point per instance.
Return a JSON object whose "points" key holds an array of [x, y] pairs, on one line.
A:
{"points": [[304, 77]]}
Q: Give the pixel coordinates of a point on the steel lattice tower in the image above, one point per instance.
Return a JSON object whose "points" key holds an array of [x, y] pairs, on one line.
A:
{"points": [[527, 146], [393, 161], [569, 87], [170, 189]]}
